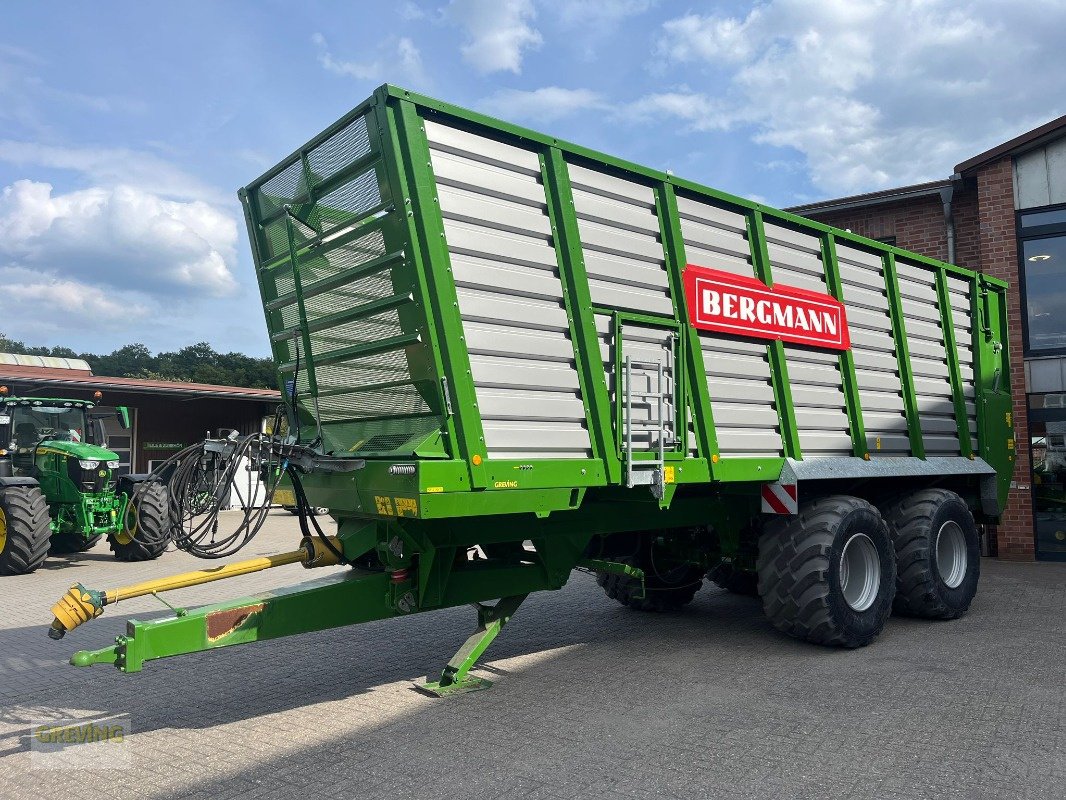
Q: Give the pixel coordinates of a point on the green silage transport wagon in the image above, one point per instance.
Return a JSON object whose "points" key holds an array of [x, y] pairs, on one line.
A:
{"points": [[514, 357]]}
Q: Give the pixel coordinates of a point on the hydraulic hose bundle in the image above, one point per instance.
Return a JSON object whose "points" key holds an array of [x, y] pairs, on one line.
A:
{"points": [[202, 478]]}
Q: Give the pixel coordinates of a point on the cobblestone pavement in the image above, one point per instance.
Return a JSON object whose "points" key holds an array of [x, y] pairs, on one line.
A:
{"points": [[591, 700]]}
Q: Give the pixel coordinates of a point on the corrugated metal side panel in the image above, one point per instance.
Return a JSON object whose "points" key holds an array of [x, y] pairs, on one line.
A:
{"points": [[738, 372], [959, 297], [814, 375], [873, 349], [510, 296], [929, 360], [620, 241]]}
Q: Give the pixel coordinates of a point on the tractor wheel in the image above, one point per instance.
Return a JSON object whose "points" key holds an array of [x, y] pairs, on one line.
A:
{"points": [[938, 554], [666, 588], [828, 574], [71, 543], [148, 524], [25, 529], [737, 581]]}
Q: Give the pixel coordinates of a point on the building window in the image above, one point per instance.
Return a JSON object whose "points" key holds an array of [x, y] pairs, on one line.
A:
{"points": [[889, 240], [1043, 253]]}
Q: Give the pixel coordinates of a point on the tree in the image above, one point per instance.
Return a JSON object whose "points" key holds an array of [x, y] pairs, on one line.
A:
{"points": [[196, 363]]}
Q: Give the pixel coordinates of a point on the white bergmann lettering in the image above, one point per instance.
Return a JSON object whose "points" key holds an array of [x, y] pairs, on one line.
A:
{"points": [[768, 312]]}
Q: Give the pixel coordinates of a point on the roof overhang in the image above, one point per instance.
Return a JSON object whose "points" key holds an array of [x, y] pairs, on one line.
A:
{"points": [[191, 392], [933, 188]]}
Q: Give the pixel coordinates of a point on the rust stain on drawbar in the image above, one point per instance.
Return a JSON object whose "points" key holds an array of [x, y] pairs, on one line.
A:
{"points": [[222, 623]]}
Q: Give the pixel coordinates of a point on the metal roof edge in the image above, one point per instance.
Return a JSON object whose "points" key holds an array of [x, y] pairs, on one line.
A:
{"points": [[872, 198]]}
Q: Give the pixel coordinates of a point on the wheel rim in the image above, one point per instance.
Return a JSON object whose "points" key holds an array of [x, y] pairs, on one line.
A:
{"points": [[3, 530], [860, 572], [951, 555]]}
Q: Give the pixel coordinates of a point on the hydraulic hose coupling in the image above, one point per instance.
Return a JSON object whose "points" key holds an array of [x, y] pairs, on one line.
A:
{"points": [[317, 554], [78, 605]]}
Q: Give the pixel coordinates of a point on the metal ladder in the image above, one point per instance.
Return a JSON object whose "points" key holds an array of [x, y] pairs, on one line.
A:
{"points": [[649, 472]]}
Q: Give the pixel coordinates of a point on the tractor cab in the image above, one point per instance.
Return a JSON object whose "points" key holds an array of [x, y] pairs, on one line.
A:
{"points": [[32, 429]]}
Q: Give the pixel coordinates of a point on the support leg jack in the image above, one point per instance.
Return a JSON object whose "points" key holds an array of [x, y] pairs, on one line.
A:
{"points": [[455, 678]]}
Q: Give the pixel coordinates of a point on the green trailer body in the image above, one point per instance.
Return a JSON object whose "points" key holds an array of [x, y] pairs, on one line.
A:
{"points": [[504, 330]]}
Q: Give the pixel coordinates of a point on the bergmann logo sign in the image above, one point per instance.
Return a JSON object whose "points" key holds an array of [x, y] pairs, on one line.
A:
{"points": [[727, 303]]}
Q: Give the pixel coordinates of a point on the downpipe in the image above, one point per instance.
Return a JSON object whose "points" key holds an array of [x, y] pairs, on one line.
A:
{"points": [[947, 195]]}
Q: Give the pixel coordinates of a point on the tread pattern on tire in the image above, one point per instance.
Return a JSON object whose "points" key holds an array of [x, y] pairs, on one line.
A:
{"points": [[910, 522], [29, 530], [153, 514], [794, 565]]}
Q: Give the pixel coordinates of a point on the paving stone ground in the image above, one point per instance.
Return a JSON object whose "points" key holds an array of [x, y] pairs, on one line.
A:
{"points": [[591, 700]]}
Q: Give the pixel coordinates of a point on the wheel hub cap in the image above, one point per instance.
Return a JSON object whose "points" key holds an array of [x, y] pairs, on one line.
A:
{"points": [[860, 572], [950, 553]]}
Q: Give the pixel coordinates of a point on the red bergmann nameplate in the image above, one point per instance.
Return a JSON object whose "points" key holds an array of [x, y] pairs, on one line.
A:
{"points": [[727, 303]]}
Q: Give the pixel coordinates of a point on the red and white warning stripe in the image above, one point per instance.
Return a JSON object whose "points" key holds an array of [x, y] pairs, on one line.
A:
{"points": [[780, 498]]}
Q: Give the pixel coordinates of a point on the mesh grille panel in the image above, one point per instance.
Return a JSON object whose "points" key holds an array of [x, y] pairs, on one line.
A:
{"points": [[285, 187], [290, 316], [381, 368], [362, 331], [351, 200], [325, 265], [371, 288], [348, 145], [395, 401]]}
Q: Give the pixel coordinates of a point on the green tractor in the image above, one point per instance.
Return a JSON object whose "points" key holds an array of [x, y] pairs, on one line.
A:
{"points": [[59, 492]]}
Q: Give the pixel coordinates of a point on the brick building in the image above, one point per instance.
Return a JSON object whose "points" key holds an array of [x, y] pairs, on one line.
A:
{"points": [[1002, 212]]}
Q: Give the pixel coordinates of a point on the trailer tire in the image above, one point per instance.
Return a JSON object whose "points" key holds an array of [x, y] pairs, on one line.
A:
{"points": [[25, 529], [938, 554], [828, 574], [63, 543], [662, 592], [148, 533]]}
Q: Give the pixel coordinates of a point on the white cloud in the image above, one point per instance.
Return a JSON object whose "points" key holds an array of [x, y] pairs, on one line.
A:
{"points": [[112, 166], [123, 237], [69, 303], [498, 32], [872, 94], [541, 105], [697, 111], [394, 57]]}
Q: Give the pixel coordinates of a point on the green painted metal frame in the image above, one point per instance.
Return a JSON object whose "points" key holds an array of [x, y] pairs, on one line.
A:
{"points": [[455, 678], [786, 411], [408, 136], [698, 393], [947, 325], [903, 357], [578, 300], [856, 425]]}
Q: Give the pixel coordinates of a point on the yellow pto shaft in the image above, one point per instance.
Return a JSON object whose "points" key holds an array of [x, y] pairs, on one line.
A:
{"points": [[80, 605]]}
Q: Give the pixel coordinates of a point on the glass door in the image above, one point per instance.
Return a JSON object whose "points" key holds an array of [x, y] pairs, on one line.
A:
{"points": [[1047, 430]]}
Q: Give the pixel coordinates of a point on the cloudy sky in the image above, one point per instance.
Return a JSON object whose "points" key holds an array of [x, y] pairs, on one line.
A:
{"points": [[127, 127]]}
